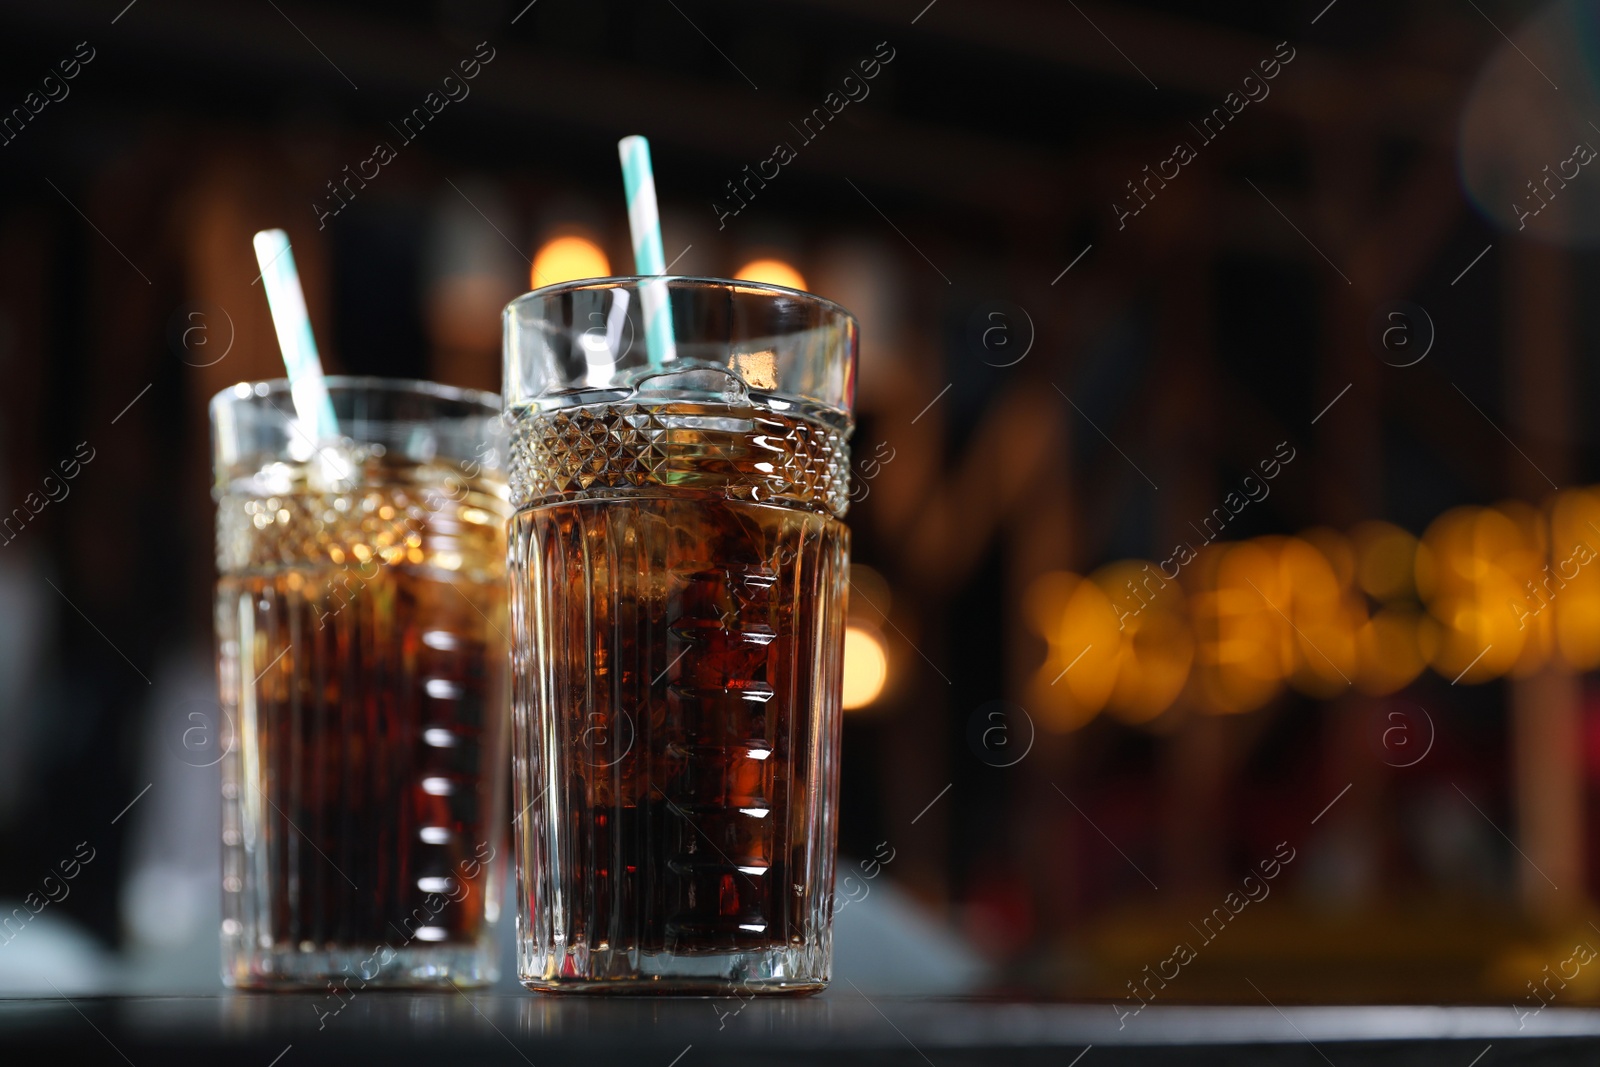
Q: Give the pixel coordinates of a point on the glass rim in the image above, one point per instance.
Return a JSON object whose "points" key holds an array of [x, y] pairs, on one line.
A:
{"points": [[679, 281], [349, 383]]}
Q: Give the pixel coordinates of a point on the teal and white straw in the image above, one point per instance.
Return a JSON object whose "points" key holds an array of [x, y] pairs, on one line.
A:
{"points": [[293, 325], [644, 222]]}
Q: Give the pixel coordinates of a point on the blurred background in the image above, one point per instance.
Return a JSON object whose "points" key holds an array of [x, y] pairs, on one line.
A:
{"points": [[1223, 519]]}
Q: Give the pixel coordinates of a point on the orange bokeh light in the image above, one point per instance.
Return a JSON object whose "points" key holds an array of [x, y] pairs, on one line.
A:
{"points": [[568, 258], [866, 667], [771, 271]]}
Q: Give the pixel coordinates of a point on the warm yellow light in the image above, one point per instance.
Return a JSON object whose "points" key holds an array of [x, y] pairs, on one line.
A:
{"points": [[866, 667], [1486, 592], [1389, 649], [1152, 649], [1245, 651], [1385, 560], [567, 259], [773, 272], [1474, 578], [1078, 688]]}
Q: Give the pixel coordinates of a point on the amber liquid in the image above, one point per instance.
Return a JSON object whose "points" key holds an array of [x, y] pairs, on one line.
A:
{"points": [[676, 688], [362, 662]]}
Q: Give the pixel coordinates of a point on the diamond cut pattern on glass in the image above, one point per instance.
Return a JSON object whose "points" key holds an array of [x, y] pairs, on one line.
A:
{"points": [[744, 453]]}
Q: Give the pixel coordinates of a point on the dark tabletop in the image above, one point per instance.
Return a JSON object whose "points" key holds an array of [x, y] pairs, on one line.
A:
{"points": [[840, 1028]]}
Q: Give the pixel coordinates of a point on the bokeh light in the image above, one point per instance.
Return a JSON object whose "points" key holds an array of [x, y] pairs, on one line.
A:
{"points": [[1245, 650], [866, 667], [1473, 578], [568, 258], [1150, 651], [1484, 593], [773, 272], [1386, 558]]}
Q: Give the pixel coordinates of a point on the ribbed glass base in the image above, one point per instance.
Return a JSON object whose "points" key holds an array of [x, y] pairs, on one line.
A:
{"points": [[362, 967], [780, 971]]}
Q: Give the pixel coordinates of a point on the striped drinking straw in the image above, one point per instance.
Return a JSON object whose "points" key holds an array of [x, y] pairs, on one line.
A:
{"points": [[288, 304], [644, 222]]}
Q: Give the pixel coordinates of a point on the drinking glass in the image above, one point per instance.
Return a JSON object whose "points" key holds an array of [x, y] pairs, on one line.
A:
{"points": [[360, 615], [678, 571]]}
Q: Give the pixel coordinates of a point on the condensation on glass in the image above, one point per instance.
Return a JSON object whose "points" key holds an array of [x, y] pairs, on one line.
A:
{"points": [[678, 576], [360, 621]]}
